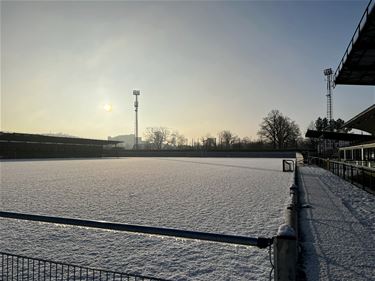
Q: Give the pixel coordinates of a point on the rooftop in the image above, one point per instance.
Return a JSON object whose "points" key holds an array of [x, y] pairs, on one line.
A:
{"points": [[338, 136], [364, 121], [357, 66], [35, 138]]}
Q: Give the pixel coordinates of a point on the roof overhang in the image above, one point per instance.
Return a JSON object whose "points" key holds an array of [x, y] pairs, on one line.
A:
{"points": [[337, 136], [357, 67], [364, 121], [34, 138]]}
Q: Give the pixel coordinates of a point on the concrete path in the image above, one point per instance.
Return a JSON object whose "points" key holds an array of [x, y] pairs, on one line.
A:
{"points": [[337, 229]]}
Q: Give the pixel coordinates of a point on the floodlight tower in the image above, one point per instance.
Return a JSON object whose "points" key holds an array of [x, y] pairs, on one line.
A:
{"points": [[136, 93], [329, 77]]}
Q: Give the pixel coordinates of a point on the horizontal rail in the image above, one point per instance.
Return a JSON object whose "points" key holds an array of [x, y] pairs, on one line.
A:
{"points": [[345, 163], [259, 242], [360, 176]]}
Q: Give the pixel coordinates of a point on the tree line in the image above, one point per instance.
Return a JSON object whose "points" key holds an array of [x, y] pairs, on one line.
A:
{"points": [[323, 124], [276, 131]]}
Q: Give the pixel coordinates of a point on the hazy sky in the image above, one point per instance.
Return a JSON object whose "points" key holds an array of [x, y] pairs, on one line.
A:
{"points": [[201, 66]]}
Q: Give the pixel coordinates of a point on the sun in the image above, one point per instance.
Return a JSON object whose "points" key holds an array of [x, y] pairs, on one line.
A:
{"points": [[108, 107]]}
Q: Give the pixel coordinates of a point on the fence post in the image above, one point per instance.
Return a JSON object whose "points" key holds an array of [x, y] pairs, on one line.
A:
{"points": [[363, 178], [285, 254], [285, 243]]}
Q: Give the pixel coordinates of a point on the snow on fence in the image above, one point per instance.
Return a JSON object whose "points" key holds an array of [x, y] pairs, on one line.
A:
{"points": [[285, 244]]}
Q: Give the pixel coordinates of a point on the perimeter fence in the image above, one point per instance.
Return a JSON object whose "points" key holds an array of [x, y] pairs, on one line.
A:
{"points": [[20, 268], [360, 176]]}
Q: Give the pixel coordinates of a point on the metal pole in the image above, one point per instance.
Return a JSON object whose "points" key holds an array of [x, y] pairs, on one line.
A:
{"points": [[136, 93], [328, 73], [259, 242]]}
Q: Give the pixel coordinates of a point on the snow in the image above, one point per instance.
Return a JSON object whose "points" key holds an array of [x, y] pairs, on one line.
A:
{"points": [[240, 196], [338, 230], [286, 231]]}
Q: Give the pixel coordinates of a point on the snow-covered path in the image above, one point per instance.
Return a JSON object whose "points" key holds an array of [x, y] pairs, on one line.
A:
{"points": [[338, 230]]}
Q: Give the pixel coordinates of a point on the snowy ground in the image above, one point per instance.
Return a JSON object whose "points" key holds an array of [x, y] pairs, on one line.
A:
{"points": [[338, 232], [223, 195]]}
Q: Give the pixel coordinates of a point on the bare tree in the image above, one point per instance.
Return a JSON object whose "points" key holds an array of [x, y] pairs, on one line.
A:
{"points": [[157, 136], [176, 139], [279, 130], [181, 140], [226, 138], [208, 142], [172, 140], [246, 140]]}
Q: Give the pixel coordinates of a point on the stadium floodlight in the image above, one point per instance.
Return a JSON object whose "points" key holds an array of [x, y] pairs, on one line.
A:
{"points": [[328, 73], [136, 93]]}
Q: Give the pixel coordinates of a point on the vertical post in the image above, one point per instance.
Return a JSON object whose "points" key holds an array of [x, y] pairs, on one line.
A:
{"points": [[285, 254], [363, 178], [328, 73], [136, 93]]}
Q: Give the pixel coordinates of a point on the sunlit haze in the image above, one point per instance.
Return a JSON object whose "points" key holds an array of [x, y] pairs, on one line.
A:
{"points": [[201, 67]]}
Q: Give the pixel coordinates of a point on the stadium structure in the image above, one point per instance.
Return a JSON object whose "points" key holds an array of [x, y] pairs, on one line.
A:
{"points": [[357, 67], [18, 145]]}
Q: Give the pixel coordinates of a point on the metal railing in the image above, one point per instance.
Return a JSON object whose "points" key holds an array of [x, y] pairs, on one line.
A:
{"points": [[365, 163], [357, 31], [43, 270], [259, 242], [15, 267], [359, 176], [20, 268]]}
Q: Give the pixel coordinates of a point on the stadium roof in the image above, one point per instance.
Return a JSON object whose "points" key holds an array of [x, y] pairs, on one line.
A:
{"points": [[364, 121], [337, 136], [33, 138], [357, 67]]}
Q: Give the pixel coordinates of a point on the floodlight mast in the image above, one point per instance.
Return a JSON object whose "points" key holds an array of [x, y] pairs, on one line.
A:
{"points": [[329, 77], [136, 93]]}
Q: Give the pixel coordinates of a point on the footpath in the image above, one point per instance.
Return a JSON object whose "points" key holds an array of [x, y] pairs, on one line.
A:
{"points": [[337, 228]]}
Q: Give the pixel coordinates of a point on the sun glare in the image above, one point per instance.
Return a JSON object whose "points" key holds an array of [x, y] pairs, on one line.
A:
{"points": [[108, 107]]}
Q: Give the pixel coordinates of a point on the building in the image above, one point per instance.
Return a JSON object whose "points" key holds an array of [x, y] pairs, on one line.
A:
{"points": [[127, 141], [357, 67], [364, 152], [329, 143], [18, 145]]}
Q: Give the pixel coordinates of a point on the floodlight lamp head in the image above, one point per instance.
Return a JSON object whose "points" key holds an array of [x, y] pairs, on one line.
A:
{"points": [[328, 71], [136, 92]]}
